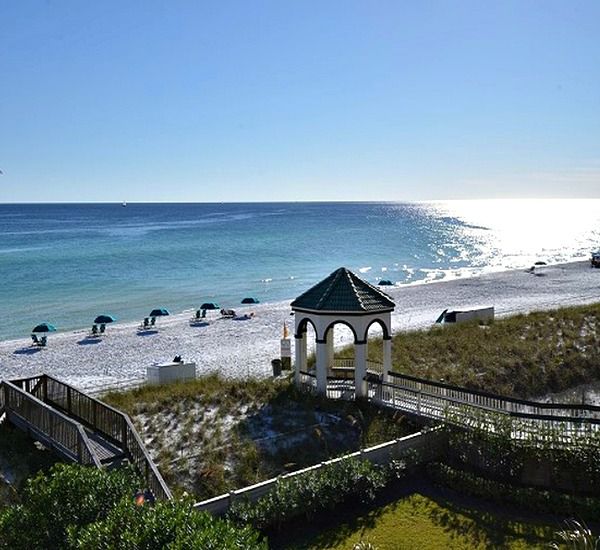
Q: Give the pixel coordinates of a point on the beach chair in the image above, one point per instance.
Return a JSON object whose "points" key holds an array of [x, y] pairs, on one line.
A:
{"points": [[34, 340], [94, 330], [228, 313], [153, 321], [43, 341], [146, 322], [102, 328], [198, 313]]}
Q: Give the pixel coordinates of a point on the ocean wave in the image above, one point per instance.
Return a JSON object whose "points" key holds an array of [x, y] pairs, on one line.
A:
{"points": [[20, 249], [365, 269]]}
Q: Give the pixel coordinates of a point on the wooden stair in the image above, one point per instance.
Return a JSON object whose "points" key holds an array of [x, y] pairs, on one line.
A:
{"points": [[77, 427]]}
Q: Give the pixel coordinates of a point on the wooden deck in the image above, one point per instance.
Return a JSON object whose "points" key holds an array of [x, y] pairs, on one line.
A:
{"points": [[78, 427]]}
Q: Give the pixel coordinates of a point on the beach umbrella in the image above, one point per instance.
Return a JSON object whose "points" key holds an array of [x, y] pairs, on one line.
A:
{"points": [[104, 319], [209, 305], [385, 282], [159, 312], [540, 263], [44, 327], [250, 300]]}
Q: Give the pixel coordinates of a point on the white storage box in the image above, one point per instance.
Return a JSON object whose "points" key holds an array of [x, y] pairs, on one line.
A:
{"points": [[170, 372]]}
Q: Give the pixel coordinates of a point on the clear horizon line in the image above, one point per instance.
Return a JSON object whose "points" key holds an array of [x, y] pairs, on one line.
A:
{"points": [[388, 201]]}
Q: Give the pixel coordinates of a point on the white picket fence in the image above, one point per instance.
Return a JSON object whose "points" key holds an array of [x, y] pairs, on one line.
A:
{"points": [[429, 445]]}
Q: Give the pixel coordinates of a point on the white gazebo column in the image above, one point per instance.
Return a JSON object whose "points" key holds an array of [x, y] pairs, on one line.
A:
{"points": [[387, 358], [300, 351], [321, 367], [330, 348], [360, 368]]}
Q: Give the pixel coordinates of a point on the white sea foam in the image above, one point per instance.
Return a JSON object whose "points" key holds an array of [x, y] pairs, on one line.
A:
{"points": [[365, 269]]}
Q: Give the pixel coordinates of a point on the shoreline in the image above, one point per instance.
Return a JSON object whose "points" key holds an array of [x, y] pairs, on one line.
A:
{"points": [[242, 348]]}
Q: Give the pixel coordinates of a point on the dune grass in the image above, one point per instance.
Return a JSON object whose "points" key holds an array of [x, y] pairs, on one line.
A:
{"points": [[525, 355], [213, 435]]}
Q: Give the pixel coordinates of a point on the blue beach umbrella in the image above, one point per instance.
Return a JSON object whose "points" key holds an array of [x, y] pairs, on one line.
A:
{"points": [[159, 312], [104, 319], [43, 327], [250, 300], [209, 305], [385, 282]]}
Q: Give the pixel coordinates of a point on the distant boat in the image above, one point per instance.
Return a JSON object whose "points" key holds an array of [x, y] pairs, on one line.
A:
{"points": [[124, 204]]}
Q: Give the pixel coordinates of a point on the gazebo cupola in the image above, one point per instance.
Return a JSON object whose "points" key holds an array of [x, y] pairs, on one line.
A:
{"points": [[345, 298]]}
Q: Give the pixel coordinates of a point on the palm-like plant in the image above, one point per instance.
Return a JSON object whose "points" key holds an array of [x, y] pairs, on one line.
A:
{"points": [[578, 536]]}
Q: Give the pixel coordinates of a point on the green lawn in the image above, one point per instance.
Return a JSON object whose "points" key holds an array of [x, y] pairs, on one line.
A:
{"points": [[425, 520]]}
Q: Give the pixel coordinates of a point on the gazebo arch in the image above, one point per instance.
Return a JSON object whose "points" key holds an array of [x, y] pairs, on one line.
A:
{"points": [[345, 298]]}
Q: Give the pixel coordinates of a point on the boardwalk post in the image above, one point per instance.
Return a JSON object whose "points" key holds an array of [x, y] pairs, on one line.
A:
{"points": [[69, 399], [124, 434]]}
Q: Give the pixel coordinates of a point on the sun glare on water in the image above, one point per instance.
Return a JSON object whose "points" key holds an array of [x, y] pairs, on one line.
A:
{"points": [[513, 233]]}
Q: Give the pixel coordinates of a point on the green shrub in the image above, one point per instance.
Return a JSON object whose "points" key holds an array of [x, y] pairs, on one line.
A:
{"points": [[317, 490], [87, 508], [489, 447], [173, 525], [68, 496], [523, 497]]}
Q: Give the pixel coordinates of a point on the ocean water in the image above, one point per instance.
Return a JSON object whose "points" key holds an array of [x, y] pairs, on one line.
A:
{"points": [[66, 263]]}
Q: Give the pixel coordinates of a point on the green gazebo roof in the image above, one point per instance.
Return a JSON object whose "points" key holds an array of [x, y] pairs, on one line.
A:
{"points": [[343, 291]]}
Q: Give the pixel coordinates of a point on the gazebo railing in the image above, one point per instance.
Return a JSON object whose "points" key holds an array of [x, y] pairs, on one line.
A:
{"points": [[308, 381], [344, 367], [340, 388]]}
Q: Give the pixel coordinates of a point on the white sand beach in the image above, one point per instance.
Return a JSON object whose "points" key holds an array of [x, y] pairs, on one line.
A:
{"points": [[241, 348]]}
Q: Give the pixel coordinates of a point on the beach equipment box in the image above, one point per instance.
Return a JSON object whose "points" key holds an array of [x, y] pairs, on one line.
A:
{"points": [[462, 315], [170, 372]]}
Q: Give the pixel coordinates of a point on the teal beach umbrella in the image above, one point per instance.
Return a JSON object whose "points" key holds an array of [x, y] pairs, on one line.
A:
{"points": [[104, 319], [159, 312], [43, 327]]}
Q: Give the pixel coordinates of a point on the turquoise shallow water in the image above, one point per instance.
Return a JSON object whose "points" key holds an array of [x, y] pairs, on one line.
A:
{"points": [[65, 263]]}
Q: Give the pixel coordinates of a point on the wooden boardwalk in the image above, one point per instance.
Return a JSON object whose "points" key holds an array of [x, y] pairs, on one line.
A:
{"points": [[439, 402], [77, 427]]}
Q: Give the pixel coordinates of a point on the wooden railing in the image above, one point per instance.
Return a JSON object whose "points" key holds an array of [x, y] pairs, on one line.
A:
{"points": [[492, 401], [453, 408], [51, 427], [347, 364], [438, 401], [112, 424]]}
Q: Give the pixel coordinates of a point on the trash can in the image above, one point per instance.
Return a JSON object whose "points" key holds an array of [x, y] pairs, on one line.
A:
{"points": [[276, 364]]}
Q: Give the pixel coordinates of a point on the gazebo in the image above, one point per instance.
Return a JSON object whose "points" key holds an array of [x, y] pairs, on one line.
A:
{"points": [[344, 298]]}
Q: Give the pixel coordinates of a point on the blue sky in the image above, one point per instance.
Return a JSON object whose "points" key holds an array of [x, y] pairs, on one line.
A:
{"points": [[237, 101]]}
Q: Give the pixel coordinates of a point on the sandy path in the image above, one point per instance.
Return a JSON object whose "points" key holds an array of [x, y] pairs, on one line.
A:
{"points": [[242, 348]]}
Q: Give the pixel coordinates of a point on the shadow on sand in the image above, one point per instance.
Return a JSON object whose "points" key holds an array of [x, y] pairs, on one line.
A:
{"points": [[26, 351], [149, 332], [89, 340]]}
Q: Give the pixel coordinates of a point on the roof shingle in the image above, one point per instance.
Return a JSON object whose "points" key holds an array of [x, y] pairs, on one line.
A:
{"points": [[344, 291]]}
